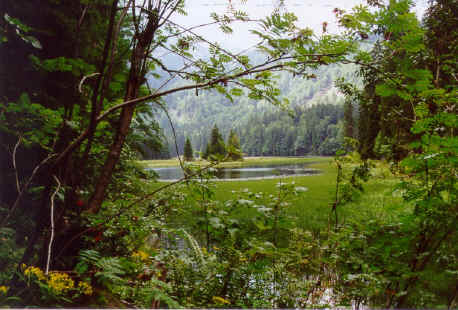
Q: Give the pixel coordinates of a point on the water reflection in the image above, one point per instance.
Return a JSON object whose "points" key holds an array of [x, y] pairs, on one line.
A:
{"points": [[249, 173]]}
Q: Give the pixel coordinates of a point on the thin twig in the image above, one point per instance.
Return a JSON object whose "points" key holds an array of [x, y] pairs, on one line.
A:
{"points": [[51, 239], [107, 80], [24, 188], [174, 134], [208, 42], [171, 125], [80, 86], [80, 21], [186, 177], [143, 198], [224, 78], [18, 187]]}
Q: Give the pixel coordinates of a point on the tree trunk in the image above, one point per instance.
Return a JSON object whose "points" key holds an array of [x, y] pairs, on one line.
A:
{"points": [[112, 159], [136, 78]]}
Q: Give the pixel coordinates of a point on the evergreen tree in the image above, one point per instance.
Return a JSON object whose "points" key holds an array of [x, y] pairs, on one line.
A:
{"points": [[188, 151], [217, 146], [206, 153], [348, 118], [233, 146]]}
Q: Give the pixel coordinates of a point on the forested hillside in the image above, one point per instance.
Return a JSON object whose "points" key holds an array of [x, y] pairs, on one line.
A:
{"points": [[193, 115]]}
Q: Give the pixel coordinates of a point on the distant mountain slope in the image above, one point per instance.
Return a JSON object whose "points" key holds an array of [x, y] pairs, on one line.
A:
{"points": [[194, 116]]}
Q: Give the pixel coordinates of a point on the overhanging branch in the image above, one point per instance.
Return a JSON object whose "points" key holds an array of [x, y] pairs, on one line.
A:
{"points": [[266, 66]]}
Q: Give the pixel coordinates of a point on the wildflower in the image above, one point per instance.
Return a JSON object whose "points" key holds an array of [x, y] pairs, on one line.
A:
{"points": [[4, 289], [220, 300], [85, 288], [141, 255], [37, 272], [60, 282]]}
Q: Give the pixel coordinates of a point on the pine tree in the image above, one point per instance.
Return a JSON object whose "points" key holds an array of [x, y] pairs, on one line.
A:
{"points": [[217, 146], [188, 151], [233, 146], [348, 118], [207, 152]]}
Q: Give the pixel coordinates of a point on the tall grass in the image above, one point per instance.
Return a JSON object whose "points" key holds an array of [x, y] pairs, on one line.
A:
{"points": [[312, 208]]}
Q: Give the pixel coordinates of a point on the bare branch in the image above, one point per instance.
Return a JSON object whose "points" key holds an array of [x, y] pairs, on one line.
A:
{"points": [[373, 67], [169, 14], [113, 44], [80, 21], [149, 195], [256, 69], [24, 188], [192, 62], [173, 72], [190, 30], [80, 86], [174, 134], [51, 238], [208, 42], [172, 126], [186, 177], [18, 187]]}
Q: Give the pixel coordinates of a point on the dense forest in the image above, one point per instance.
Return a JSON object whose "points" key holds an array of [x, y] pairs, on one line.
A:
{"points": [[194, 116], [315, 130], [85, 94]]}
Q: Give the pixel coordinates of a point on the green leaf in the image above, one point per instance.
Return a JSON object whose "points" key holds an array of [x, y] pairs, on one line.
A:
{"points": [[384, 90], [24, 99]]}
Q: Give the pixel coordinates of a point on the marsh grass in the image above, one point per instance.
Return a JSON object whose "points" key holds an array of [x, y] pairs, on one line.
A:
{"points": [[311, 209]]}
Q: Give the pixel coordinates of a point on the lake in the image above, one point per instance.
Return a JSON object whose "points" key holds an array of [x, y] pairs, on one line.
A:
{"points": [[243, 173]]}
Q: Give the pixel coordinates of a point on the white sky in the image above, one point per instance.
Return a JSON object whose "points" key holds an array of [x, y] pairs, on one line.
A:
{"points": [[310, 13]]}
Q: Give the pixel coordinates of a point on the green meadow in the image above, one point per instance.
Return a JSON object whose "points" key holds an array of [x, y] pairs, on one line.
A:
{"points": [[312, 207]]}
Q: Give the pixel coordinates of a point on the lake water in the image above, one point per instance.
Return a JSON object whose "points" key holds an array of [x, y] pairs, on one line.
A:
{"points": [[245, 173]]}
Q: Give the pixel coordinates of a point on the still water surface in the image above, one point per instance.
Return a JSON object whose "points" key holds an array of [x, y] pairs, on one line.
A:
{"points": [[245, 173]]}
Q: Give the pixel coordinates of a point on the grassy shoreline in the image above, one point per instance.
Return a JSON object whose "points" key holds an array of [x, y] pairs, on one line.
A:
{"points": [[313, 207], [248, 161]]}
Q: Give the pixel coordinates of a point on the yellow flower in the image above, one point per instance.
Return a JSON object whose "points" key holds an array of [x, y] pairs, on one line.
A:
{"points": [[4, 289], [37, 272], [85, 288], [220, 300], [141, 255], [60, 282]]}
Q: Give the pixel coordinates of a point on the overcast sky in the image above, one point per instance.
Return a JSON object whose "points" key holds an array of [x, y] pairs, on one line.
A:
{"points": [[310, 13]]}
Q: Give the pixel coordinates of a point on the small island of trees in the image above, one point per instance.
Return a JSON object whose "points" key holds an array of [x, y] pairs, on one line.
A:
{"points": [[216, 148]]}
